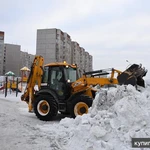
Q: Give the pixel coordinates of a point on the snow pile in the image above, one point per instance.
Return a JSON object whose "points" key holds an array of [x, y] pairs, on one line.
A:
{"points": [[116, 116]]}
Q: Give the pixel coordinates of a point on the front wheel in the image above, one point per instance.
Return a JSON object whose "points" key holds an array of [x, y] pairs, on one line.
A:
{"points": [[45, 107], [80, 105]]}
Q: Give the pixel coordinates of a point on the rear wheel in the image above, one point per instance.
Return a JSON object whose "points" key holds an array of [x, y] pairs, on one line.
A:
{"points": [[80, 105], [45, 107]]}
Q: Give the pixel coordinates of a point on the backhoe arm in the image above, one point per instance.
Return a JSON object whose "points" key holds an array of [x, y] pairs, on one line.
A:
{"points": [[100, 77], [94, 78], [34, 78]]}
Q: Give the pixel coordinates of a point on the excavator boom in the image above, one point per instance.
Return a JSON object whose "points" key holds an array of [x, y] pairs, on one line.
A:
{"points": [[35, 78], [133, 75]]}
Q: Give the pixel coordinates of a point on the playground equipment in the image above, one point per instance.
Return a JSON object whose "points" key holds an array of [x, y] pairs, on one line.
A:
{"points": [[25, 73]]}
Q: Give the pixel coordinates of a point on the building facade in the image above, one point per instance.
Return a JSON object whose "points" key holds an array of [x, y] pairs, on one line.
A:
{"points": [[46, 45], [2, 58], [90, 62], [26, 59], [15, 59], [82, 60], [67, 48], [12, 58], [86, 62], [12, 61], [76, 53], [56, 46], [53, 44]]}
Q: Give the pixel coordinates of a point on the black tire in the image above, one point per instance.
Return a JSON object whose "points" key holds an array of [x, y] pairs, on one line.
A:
{"points": [[80, 105], [45, 107]]}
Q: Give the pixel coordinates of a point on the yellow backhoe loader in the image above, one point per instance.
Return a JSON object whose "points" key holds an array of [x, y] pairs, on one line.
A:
{"points": [[60, 88]]}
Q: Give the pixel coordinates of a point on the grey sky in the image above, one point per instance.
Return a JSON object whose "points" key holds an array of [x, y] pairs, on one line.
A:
{"points": [[110, 30]]}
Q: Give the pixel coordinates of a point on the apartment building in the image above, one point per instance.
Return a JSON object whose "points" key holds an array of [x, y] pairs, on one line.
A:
{"points": [[82, 60], [76, 53], [90, 62], [12, 58], [53, 44], [26, 59], [15, 59], [30, 60], [86, 62], [67, 48], [2, 58], [56, 46]]}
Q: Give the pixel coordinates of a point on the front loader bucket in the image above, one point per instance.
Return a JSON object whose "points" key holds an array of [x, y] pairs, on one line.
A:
{"points": [[133, 75]]}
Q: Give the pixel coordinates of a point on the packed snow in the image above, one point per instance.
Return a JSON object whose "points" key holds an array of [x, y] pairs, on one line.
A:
{"points": [[117, 115]]}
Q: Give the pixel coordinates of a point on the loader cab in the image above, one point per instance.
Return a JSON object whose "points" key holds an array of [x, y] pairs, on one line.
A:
{"points": [[58, 78]]}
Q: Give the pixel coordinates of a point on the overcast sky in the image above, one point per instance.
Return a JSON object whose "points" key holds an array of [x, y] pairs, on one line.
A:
{"points": [[112, 31]]}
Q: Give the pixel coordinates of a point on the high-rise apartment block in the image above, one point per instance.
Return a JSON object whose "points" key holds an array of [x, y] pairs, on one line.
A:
{"points": [[57, 46], [53, 44], [12, 58], [26, 59], [15, 59], [82, 59], [2, 58], [90, 64]]}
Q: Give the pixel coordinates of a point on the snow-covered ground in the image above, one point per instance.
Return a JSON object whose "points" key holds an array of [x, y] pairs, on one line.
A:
{"points": [[116, 116]]}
